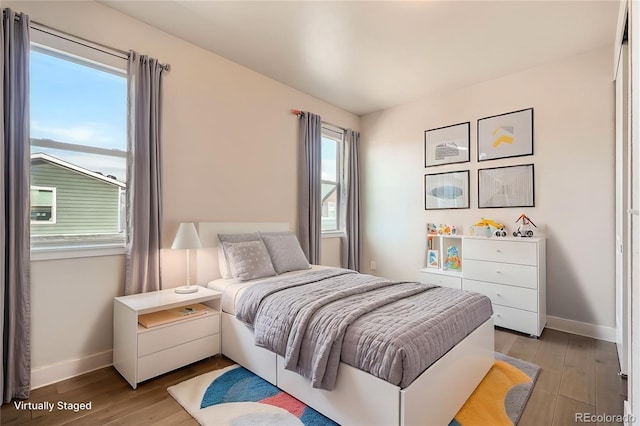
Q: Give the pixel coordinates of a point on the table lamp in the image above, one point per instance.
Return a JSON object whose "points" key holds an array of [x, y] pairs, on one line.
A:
{"points": [[187, 238]]}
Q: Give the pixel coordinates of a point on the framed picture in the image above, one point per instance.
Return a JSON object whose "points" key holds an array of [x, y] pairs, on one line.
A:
{"points": [[506, 135], [432, 259], [447, 145], [510, 186], [446, 190]]}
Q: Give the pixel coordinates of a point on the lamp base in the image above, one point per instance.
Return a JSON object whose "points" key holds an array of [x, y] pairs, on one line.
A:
{"points": [[186, 289]]}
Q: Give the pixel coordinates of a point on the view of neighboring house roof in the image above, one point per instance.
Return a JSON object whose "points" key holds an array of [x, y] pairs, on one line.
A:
{"points": [[77, 169]]}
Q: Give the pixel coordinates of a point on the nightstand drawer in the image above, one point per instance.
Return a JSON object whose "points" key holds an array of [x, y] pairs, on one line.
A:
{"points": [[505, 295], [177, 356], [515, 319], [439, 279], [176, 333], [502, 273], [520, 252]]}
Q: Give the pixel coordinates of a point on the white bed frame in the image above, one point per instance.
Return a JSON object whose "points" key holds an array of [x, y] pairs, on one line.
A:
{"points": [[359, 397]]}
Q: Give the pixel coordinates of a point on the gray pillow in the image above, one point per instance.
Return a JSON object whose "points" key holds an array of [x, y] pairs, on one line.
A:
{"points": [[285, 251], [225, 269], [249, 260]]}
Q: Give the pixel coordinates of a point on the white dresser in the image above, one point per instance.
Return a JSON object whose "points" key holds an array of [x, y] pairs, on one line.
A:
{"points": [[510, 271]]}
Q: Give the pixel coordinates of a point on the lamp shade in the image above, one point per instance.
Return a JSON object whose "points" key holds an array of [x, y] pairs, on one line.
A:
{"points": [[186, 237]]}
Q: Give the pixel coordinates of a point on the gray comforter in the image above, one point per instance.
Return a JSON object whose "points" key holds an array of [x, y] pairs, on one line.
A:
{"points": [[393, 330]]}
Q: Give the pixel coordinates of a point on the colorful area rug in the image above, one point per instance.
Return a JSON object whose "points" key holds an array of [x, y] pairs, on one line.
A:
{"points": [[235, 396]]}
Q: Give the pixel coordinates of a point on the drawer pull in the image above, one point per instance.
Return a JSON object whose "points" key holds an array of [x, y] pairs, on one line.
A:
{"points": [[498, 272], [498, 251], [497, 294]]}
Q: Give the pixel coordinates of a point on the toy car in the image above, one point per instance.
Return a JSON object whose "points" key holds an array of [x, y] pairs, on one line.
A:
{"points": [[524, 230], [489, 227]]}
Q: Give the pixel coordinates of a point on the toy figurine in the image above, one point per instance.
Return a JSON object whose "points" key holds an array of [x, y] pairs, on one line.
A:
{"points": [[524, 230]]}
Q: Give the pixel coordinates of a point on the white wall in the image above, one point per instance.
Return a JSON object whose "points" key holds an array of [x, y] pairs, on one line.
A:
{"points": [[229, 154], [330, 250], [574, 177], [72, 307]]}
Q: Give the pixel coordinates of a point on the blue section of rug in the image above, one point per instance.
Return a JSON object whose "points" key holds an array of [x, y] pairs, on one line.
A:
{"points": [[241, 385], [238, 385]]}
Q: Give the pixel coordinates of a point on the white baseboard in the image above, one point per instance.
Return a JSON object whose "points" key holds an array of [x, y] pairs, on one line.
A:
{"points": [[599, 332], [53, 373]]}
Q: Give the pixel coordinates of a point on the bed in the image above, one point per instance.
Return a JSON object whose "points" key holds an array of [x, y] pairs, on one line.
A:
{"points": [[358, 397]]}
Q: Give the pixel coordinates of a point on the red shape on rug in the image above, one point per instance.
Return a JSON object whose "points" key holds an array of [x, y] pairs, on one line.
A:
{"points": [[286, 401]]}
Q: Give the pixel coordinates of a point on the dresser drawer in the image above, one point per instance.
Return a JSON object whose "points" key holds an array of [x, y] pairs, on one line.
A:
{"points": [[176, 333], [439, 279], [520, 252], [516, 319], [502, 273], [169, 359], [505, 295]]}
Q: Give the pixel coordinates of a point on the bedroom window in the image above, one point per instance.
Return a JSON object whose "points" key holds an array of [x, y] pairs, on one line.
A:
{"points": [[331, 177], [78, 147]]}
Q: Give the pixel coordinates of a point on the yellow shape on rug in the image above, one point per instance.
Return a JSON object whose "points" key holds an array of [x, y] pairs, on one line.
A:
{"points": [[485, 406]]}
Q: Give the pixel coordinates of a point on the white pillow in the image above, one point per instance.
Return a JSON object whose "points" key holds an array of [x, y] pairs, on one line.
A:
{"points": [[223, 264], [249, 260], [223, 261], [285, 251]]}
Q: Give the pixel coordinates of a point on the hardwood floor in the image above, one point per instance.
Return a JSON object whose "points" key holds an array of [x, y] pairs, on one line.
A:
{"points": [[579, 375]]}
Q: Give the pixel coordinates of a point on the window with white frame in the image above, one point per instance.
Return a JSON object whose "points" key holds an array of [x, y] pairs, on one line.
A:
{"points": [[78, 103], [331, 176], [43, 205]]}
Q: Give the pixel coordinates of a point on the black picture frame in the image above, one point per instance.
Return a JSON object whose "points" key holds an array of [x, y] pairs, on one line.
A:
{"points": [[507, 186], [447, 145], [505, 135], [447, 190]]}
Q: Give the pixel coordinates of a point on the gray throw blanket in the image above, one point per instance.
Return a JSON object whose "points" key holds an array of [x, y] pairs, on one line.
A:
{"points": [[310, 320]]}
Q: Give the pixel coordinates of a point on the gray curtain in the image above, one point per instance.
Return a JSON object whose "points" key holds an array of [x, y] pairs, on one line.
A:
{"points": [[350, 214], [15, 375], [144, 188], [309, 212]]}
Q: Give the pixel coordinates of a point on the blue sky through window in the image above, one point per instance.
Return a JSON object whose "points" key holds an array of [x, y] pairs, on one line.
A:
{"points": [[79, 104], [329, 159]]}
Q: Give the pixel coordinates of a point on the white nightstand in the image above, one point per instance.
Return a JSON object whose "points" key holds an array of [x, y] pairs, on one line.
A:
{"points": [[141, 353]]}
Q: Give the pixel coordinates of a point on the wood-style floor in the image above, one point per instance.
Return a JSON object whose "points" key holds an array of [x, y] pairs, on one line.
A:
{"points": [[579, 374]]}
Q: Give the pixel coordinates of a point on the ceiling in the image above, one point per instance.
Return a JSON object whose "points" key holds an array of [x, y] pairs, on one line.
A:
{"points": [[367, 56]]}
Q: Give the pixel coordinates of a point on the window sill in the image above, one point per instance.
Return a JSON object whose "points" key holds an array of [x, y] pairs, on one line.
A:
{"points": [[333, 234], [76, 251]]}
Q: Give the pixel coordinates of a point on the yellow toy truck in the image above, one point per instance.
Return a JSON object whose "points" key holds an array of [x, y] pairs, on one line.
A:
{"points": [[488, 227]]}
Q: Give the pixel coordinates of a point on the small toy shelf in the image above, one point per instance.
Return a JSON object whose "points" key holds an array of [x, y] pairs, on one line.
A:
{"points": [[444, 254]]}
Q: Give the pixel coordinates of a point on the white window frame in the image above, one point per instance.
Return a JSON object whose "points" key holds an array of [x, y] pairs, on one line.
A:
{"points": [[53, 220], [81, 51], [335, 133]]}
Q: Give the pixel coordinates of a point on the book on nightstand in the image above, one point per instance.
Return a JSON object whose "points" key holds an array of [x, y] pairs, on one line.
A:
{"points": [[154, 319]]}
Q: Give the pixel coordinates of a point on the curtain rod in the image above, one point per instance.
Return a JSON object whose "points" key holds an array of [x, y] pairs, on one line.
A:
{"points": [[301, 114], [83, 41]]}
